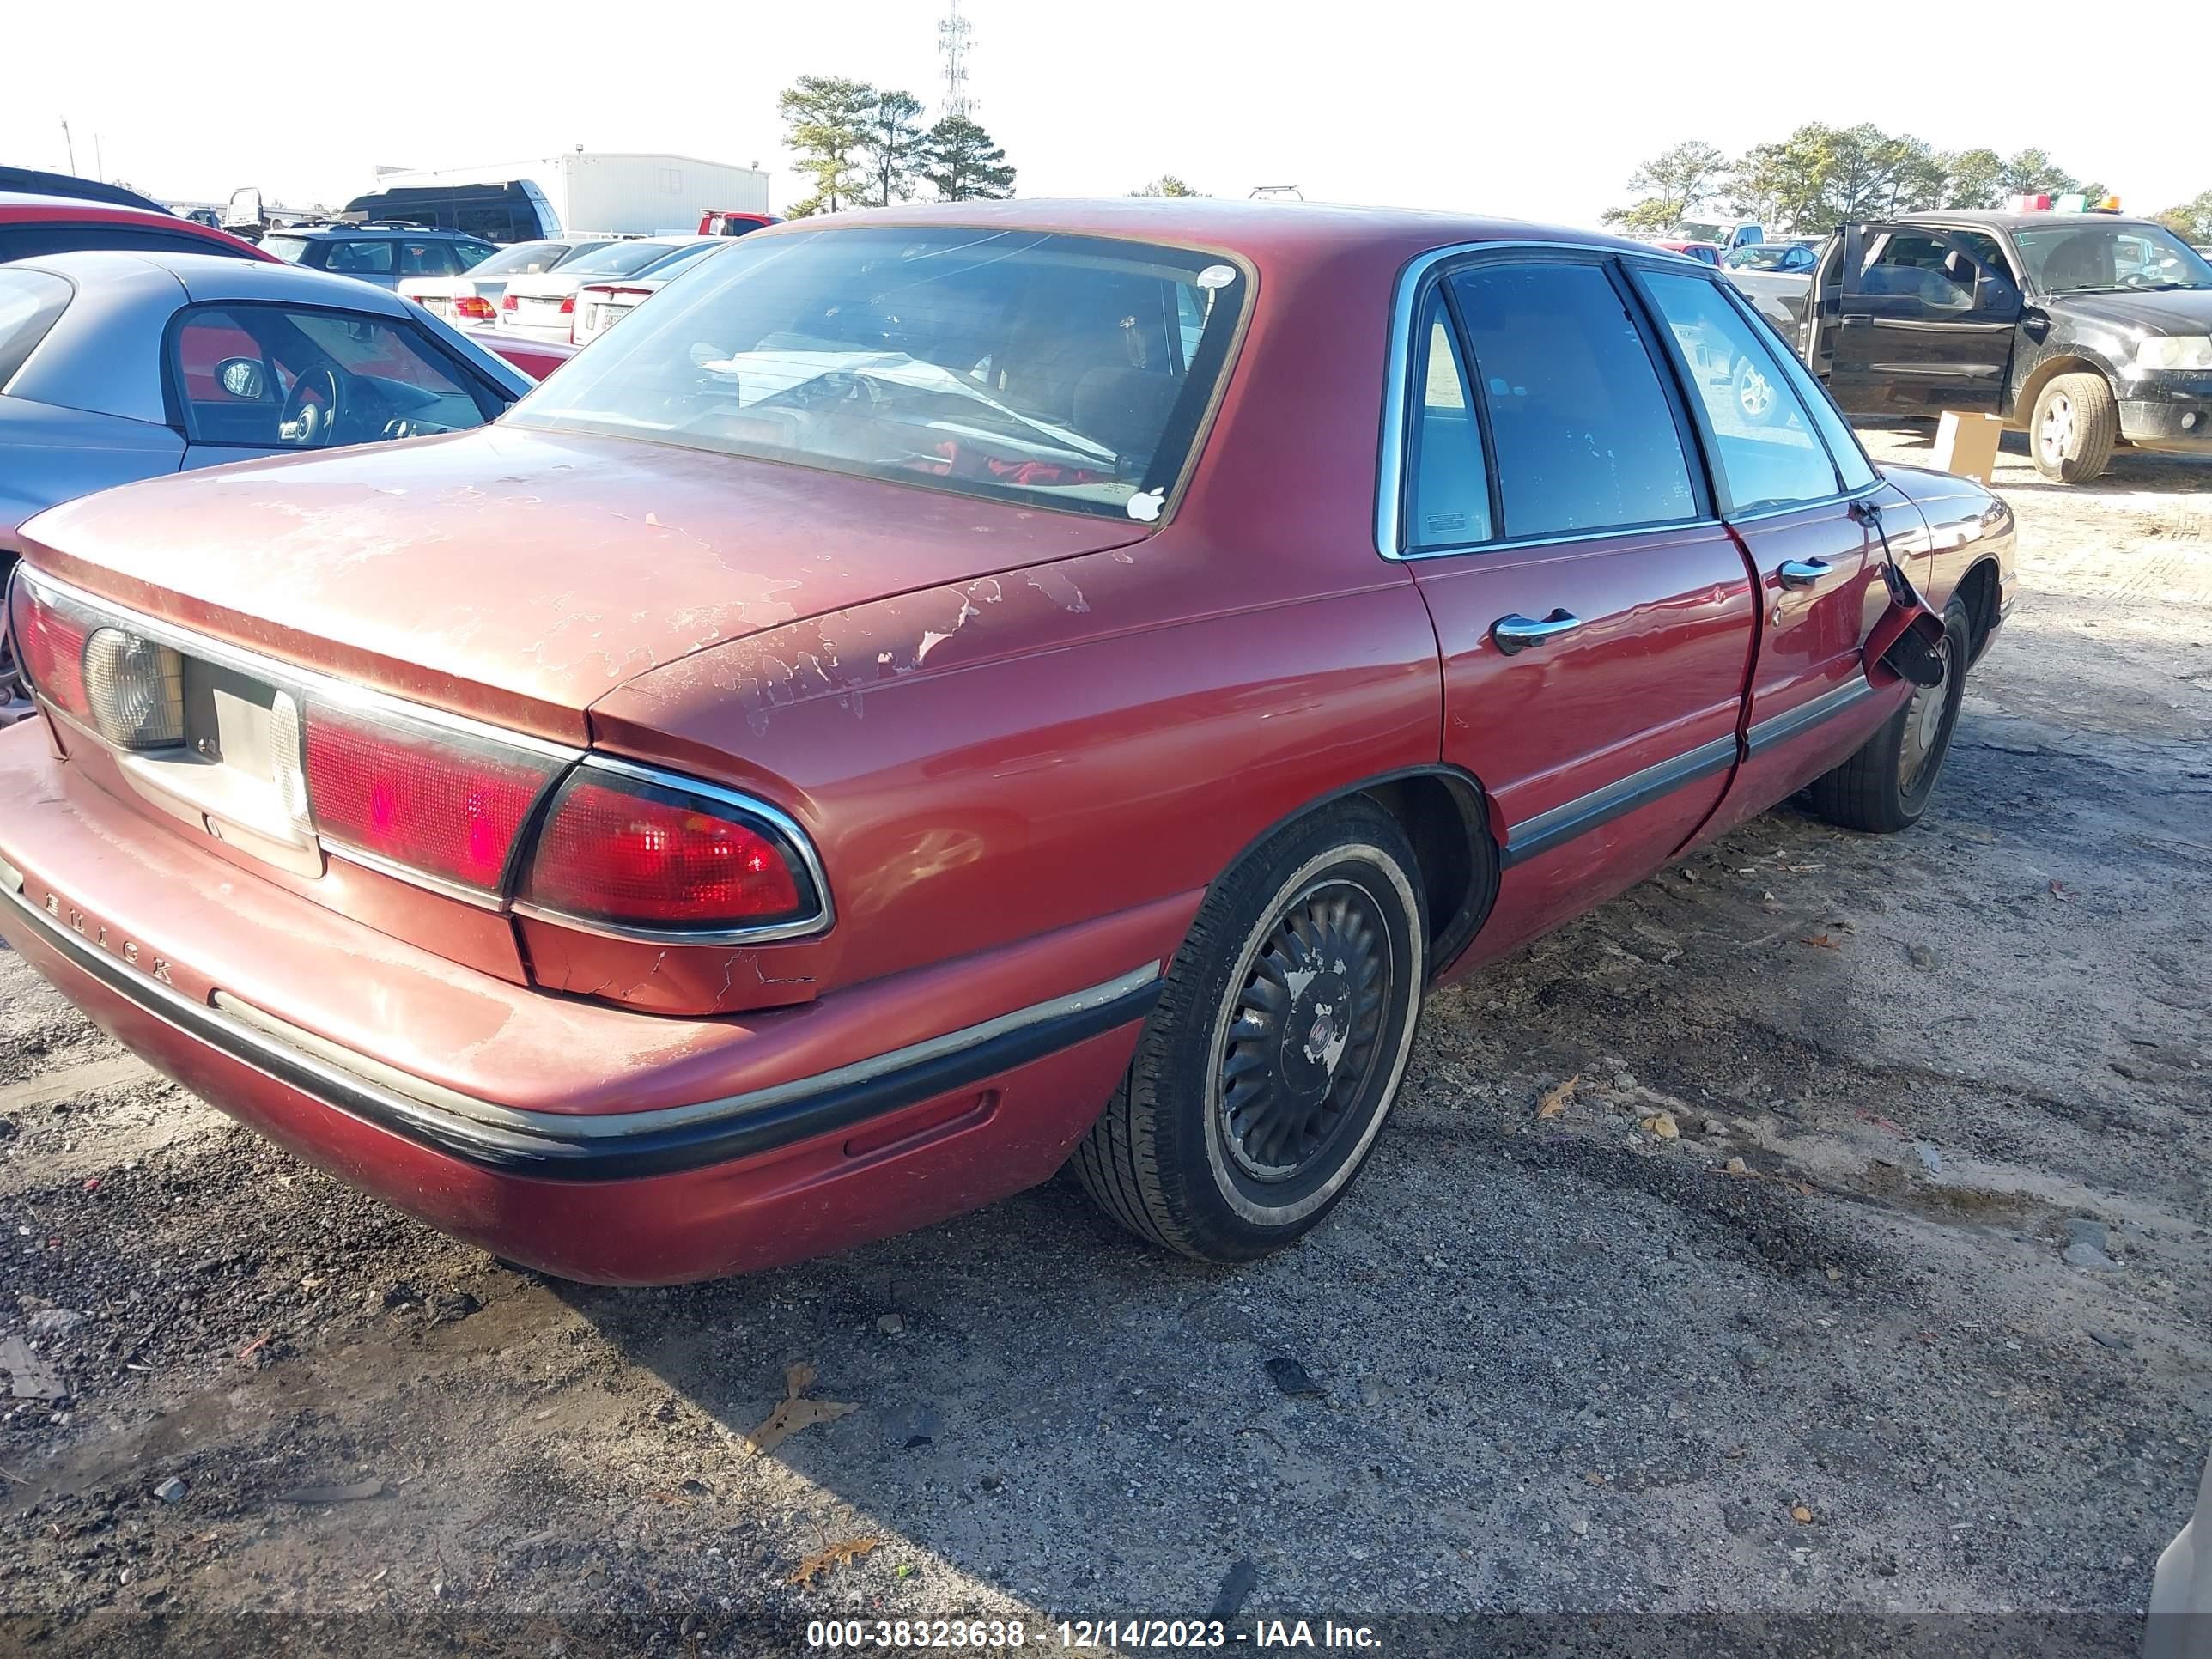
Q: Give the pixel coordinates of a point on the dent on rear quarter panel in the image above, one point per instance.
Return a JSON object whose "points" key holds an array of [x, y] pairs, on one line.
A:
{"points": [[993, 759]]}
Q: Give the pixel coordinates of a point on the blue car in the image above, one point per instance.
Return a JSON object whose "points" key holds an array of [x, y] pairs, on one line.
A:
{"points": [[385, 255]]}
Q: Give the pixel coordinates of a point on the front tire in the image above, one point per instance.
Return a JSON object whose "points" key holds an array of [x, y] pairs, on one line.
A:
{"points": [[1752, 385], [1281, 1038], [1886, 786], [2075, 424]]}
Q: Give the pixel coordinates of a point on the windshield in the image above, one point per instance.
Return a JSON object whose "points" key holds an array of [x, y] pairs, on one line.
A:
{"points": [[287, 248], [617, 260], [2088, 259], [1054, 369]]}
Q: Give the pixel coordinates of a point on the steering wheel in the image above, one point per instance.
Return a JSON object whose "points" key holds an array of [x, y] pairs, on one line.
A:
{"points": [[310, 426], [826, 392]]}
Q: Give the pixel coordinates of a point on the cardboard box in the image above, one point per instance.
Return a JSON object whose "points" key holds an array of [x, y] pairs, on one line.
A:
{"points": [[1967, 445]]}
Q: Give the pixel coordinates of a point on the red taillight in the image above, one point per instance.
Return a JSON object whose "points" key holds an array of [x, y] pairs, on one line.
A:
{"points": [[568, 305], [434, 801], [636, 855], [507, 302], [474, 306], [50, 645]]}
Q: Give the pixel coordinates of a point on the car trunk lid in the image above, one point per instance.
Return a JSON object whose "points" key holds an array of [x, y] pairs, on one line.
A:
{"points": [[518, 576]]}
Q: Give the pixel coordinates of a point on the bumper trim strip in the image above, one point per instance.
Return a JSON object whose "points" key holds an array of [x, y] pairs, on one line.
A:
{"points": [[561, 1146]]}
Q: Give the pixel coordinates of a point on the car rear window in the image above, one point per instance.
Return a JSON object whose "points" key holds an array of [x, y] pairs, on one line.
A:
{"points": [[26, 241], [1059, 370], [618, 260], [290, 249], [30, 301]]}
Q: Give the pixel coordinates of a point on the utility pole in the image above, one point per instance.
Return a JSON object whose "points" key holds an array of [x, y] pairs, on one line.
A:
{"points": [[71, 142], [99, 165], [956, 35]]}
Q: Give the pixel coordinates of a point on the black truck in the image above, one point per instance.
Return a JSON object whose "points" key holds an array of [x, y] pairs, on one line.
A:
{"points": [[2086, 330]]}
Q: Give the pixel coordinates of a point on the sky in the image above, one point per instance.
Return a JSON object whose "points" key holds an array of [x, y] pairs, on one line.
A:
{"points": [[1533, 111]]}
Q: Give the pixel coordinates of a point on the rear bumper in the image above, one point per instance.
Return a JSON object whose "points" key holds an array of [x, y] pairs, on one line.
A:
{"points": [[572, 1146], [790, 1134]]}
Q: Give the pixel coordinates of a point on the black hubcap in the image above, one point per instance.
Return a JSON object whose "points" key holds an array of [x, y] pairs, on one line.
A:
{"points": [[1302, 1040]]}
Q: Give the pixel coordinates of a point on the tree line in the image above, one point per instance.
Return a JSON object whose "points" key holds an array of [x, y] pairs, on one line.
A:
{"points": [[864, 146], [1821, 176]]}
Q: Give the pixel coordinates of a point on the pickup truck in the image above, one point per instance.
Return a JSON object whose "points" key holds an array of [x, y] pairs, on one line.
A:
{"points": [[2086, 330]]}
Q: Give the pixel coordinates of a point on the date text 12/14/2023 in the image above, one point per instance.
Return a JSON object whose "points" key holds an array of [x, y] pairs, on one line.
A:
{"points": [[1090, 1634]]}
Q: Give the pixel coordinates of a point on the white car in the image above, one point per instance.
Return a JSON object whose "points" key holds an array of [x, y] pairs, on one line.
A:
{"points": [[543, 306], [472, 298], [600, 305]]}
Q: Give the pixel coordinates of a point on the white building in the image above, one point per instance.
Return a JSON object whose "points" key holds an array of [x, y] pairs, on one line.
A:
{"points": [[594, 192]]}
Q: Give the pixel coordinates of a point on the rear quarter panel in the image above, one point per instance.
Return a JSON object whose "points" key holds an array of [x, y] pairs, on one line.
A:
{"points": [[987, 761], [49, 455]]}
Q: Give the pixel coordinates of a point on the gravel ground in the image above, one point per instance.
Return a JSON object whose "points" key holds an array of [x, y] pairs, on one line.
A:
{"points": [[1936, 1343]]}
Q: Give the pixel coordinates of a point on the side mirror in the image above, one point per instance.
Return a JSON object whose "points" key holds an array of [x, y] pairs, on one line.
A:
{"points": [[242, 377], [1995, 297]]}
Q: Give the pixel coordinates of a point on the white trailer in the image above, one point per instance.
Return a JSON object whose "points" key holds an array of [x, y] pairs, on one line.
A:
{"points": [[603, 193]]}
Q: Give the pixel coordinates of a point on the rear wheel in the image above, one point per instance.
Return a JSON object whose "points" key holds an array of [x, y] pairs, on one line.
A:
{"points": [[1281, 1035], [1886, 785], [2075, 425]]}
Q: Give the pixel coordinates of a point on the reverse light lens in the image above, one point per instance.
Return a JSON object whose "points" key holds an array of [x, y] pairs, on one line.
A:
{"points": [[2162, 351], [136, 689], [50, 638], [448, 806], [639, 854]]}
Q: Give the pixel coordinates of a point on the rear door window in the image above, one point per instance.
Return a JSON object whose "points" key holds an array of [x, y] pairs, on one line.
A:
{"points": [[1767, 451], [1448, 484], [1583, 435], [426, 259], [364, 259]]}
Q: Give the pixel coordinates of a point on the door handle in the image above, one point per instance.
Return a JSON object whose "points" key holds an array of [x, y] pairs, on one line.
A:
{"points": [[1856, 317], [1800, 572], [1517, 632]]}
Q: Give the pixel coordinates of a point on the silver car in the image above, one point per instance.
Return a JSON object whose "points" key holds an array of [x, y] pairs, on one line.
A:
{"points": [[116, 367], [544, 307], [472, 298]]}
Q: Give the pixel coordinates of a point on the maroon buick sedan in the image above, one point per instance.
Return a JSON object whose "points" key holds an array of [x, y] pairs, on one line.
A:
{"points": [[948, 692]]}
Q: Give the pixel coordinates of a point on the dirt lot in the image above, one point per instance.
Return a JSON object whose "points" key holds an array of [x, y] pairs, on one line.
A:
{"points": [[1556, 1364]]}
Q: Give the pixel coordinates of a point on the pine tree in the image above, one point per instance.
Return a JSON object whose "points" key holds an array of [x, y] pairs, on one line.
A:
{"points": [[962, 164], [892, 140], [824, 117]]}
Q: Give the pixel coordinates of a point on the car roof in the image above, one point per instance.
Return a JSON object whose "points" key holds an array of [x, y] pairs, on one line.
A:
{"points": [[34, 181], [353, 232], [214, 278], [1999, 219], [1265, 231], [22, 207]]}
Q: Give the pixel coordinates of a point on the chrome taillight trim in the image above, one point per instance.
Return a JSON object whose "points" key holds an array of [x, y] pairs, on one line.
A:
{"points": [[822, 918]]}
